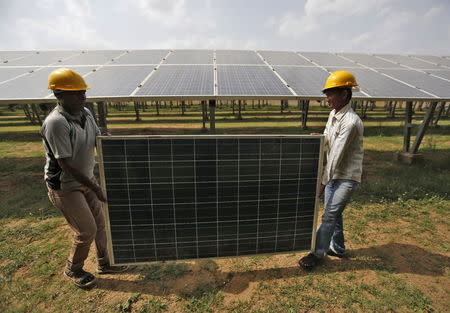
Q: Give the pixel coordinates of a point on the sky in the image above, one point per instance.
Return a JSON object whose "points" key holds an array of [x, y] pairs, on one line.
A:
{"points": [[372, 26]]}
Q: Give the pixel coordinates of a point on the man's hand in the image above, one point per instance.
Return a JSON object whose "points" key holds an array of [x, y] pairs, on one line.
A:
{"points": [[99, 193], [321, 190]]}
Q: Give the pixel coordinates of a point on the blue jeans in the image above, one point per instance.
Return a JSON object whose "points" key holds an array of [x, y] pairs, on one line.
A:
{"points": [[330, 235]]}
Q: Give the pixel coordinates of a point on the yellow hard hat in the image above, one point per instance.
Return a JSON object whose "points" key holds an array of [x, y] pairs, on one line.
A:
{"points": [[340, 79], [66, 79]]}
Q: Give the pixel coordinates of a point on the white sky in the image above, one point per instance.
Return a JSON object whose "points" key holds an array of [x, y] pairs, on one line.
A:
{"points": [[389, 26]]}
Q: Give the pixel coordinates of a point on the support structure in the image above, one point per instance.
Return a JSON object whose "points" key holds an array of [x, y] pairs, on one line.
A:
{"points": [[304, 108], [212, 115], [102, 117]]}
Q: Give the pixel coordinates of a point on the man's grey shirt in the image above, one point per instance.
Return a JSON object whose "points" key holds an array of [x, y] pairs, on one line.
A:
{"points": [[66, 137]]}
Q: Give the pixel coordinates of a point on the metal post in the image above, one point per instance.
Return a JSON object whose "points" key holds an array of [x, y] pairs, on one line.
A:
{"points": [[102, 117], [157, 107], [304, 104], [36, 113], [136, 109], [239, 110], [434, 122], [423, 127], [203, 103], [183, 107], [212, 113], [408, 126]]}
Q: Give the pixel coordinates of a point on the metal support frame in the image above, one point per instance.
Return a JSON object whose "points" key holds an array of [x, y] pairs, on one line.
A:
{"points": [[423, 127], [239, 117], [304, 107], [212, 115], [102, 117], [136, 109], [435, 119], [204, 115]]}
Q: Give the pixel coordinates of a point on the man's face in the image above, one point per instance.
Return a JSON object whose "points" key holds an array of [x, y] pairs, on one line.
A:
{"points": [[72, 101], [336, 98]]}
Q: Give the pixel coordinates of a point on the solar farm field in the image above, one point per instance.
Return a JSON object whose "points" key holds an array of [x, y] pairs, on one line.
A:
{"points": [[397, 229]]}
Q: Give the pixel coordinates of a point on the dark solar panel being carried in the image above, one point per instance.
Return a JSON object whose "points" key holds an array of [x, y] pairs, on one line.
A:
{"points": [[116, 80], [434, 85], [370, 60], [190, 57], [328, 59], [378, 85], [33, 85], [187, 197], [249, 80], [237, 57], [180, 80], [284, 58], [306, 81], [142, 57]]}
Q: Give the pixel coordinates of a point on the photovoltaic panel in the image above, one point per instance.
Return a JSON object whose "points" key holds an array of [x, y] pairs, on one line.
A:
{"points": [[180, 80], [370, 60], [306, 81], [116, 80], [190, 57], [441, 73], [11, 55], [142, 57], [378, 85], [237, 57], [328, 59], [435, 59], [11, 72], [434, 85], [182, 197], [284, 58], [249, 80], [33, 85], [97, 57], [408, 61], [41, 58]]}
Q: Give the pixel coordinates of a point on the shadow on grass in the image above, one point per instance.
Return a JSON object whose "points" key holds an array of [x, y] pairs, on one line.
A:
{"points": [[392, 257]]}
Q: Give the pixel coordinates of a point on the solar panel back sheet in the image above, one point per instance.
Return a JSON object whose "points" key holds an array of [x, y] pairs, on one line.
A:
{"points": [[190, 197]]}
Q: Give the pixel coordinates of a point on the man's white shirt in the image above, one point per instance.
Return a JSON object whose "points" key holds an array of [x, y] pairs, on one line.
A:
{"points": [[344, 144]]}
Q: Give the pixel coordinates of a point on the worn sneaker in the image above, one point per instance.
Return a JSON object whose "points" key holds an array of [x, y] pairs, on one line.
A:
{"points": [[338, 255], [81, 278], [109, 269]]}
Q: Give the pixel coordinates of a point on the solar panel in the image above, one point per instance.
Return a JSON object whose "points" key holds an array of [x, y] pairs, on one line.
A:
{"points": [[116, 80], [408, 61], [190, 57], [328, 59], [441, 73], [142, 57], [370, 60], [436, 86], [237, 57], [434, 59], [306, 81], [11, 72], [41, 58], [180, 80], [378, 85], [284, 58], [97, 57], [249, 80], [188, 197], [33, 85], [10, 55]]}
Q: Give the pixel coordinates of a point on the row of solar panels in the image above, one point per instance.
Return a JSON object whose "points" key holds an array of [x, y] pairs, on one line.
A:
{"points": [[165, 73]]}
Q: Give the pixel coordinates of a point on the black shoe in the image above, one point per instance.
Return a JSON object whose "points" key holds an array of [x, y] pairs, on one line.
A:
{"points": [[80, 278], [309, 262], [338, 255], [108, 269]]}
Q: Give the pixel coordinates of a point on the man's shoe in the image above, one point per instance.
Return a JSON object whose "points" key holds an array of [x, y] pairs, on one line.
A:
{"points": [[338, 255], [81, 278], [309, 262], [108, 269]]}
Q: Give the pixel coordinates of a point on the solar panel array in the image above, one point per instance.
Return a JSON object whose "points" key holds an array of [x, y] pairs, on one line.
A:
{"points": [[188, 197], [227, 73]]}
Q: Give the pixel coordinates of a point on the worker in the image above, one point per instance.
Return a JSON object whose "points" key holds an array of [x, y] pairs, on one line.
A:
{"points": [[342, 173], [68, 134]]}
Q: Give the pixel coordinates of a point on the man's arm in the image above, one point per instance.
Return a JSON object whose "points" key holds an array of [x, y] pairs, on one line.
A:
{"points": [[67, 165]]}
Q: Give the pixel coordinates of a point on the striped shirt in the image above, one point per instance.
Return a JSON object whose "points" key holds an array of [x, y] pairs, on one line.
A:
{"points": [[344, 144]]}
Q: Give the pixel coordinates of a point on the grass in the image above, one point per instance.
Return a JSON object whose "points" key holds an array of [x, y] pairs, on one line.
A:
{"points": [[396, 228]]}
